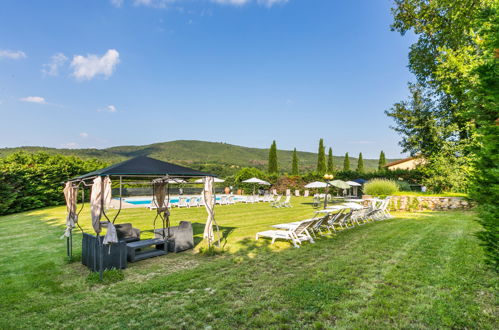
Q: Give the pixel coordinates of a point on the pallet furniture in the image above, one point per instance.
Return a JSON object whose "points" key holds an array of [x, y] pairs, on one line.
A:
{"points": [[181, 237], [94, 253], [138, 250]]}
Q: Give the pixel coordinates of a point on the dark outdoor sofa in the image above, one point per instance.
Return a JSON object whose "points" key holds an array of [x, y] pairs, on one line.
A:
{"points": [[114, 255], [127, 233], [181, 237]]}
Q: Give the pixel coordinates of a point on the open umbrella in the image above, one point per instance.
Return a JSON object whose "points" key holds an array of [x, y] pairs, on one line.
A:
{"points": [[353, 183], [256, 181], [316, 185], [339, 184], [216, 180]]}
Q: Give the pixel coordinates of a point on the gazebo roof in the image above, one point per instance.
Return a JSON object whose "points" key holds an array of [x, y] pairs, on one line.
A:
{"points": [[144, 166]]}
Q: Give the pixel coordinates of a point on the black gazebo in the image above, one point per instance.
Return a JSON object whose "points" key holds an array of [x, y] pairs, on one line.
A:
{"points": [[155, 172]]}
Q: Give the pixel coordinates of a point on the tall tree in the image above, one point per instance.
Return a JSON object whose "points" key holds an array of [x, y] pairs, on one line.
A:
{"points": [[346, 163], [360, 164], [321, 158], [382, 160], [330, 161], [273, 168], [455, 60], [444, 60], [294, 164]]}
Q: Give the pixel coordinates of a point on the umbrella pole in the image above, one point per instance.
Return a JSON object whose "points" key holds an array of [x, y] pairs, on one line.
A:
{"points": [[325, 196]]}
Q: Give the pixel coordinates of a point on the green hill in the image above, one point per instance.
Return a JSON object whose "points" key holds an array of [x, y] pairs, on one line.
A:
{"points": [[221, 157]]}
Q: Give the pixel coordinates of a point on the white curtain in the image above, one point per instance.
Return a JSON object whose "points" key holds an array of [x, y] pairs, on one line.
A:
{"points": [[209, 203], [100, 194], [71, 194]]}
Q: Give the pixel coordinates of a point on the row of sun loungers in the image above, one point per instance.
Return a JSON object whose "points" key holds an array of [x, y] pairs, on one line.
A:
{"points": [[331, 220], [197, 201]]}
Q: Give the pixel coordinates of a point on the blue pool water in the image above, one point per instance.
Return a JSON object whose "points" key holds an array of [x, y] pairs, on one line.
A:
{"points": [[135, 202], [148, 201]]}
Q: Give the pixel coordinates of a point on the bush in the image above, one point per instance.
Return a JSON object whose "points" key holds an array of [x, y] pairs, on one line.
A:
{"points": [[29, 181], [403, 186], [380, 187]]}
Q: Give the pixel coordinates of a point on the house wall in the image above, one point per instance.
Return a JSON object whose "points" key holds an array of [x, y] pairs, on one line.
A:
{"points": [[407, 165]]}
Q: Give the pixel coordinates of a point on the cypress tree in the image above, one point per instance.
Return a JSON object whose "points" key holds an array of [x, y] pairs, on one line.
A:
{"points": [[321, 158], [346, 163], [273, 159], [330, 161], [360, 164], [294, 164], [382, 160]]}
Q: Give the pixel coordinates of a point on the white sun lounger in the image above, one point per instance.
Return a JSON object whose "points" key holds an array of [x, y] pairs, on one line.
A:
{"points": [[296, 235]]}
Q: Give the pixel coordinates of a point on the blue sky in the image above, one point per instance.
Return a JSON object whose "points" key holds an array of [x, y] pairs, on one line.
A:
{"points": [[104, 73]]}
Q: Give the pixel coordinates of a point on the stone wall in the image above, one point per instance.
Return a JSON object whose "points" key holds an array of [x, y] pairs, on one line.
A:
{"points": [[421, 203]]}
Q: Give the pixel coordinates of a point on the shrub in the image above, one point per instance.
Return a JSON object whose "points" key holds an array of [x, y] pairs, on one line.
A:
{"points": [[403, 186], [29, 181], [380, 187]]}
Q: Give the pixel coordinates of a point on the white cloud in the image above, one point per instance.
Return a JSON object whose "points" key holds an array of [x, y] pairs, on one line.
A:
{"points": [[87, 67], [34, 99], [270, 3], [52, 68], [11, 54], [153, 3], [70, 145], [117, 3], [165, 3], [84, 135], [109, 108], [232, 2]]}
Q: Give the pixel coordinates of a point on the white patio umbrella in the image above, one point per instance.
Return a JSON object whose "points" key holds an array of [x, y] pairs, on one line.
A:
{"points": [[316, 185], [176, 181], [256, 181], [353, 184], [216, 180]]}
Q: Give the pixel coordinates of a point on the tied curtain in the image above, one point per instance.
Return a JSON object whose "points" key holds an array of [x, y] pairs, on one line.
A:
{"points": [[209, 203], [71, 195], [100, 199]]}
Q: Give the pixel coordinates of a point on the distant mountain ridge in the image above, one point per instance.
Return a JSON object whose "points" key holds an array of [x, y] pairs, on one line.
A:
{"points": [[193, 152]]}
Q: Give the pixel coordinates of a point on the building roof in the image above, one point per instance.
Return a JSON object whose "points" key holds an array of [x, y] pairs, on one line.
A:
{"points": [[400, 161], [144, 166]]}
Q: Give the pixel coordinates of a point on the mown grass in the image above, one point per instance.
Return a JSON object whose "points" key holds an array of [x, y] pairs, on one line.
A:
{"points": [[421, 270], [428, 194]]}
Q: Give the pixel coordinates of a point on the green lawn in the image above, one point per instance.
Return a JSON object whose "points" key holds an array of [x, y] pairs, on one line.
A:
{"points": [[428, 194], [421, 270]]}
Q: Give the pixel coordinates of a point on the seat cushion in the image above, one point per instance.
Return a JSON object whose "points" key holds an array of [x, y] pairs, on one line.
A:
{"points": [[125, 231]]}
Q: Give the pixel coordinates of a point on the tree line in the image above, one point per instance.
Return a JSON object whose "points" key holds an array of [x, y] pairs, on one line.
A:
{"points": [[323, 166]]}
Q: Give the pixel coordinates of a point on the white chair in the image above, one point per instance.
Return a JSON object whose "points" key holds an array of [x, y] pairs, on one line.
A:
{"points": [[182, 202], [297, 193], [230, 200], [193, 201], [296, 235], [276, 202], [287, 202], [306, 193], [288, 192]]}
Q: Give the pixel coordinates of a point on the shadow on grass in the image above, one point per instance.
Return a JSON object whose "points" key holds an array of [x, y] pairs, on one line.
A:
{"points": [[198, 229]]}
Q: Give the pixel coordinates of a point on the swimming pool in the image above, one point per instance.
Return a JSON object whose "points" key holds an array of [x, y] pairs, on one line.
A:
{"points": [[147, 201]]}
